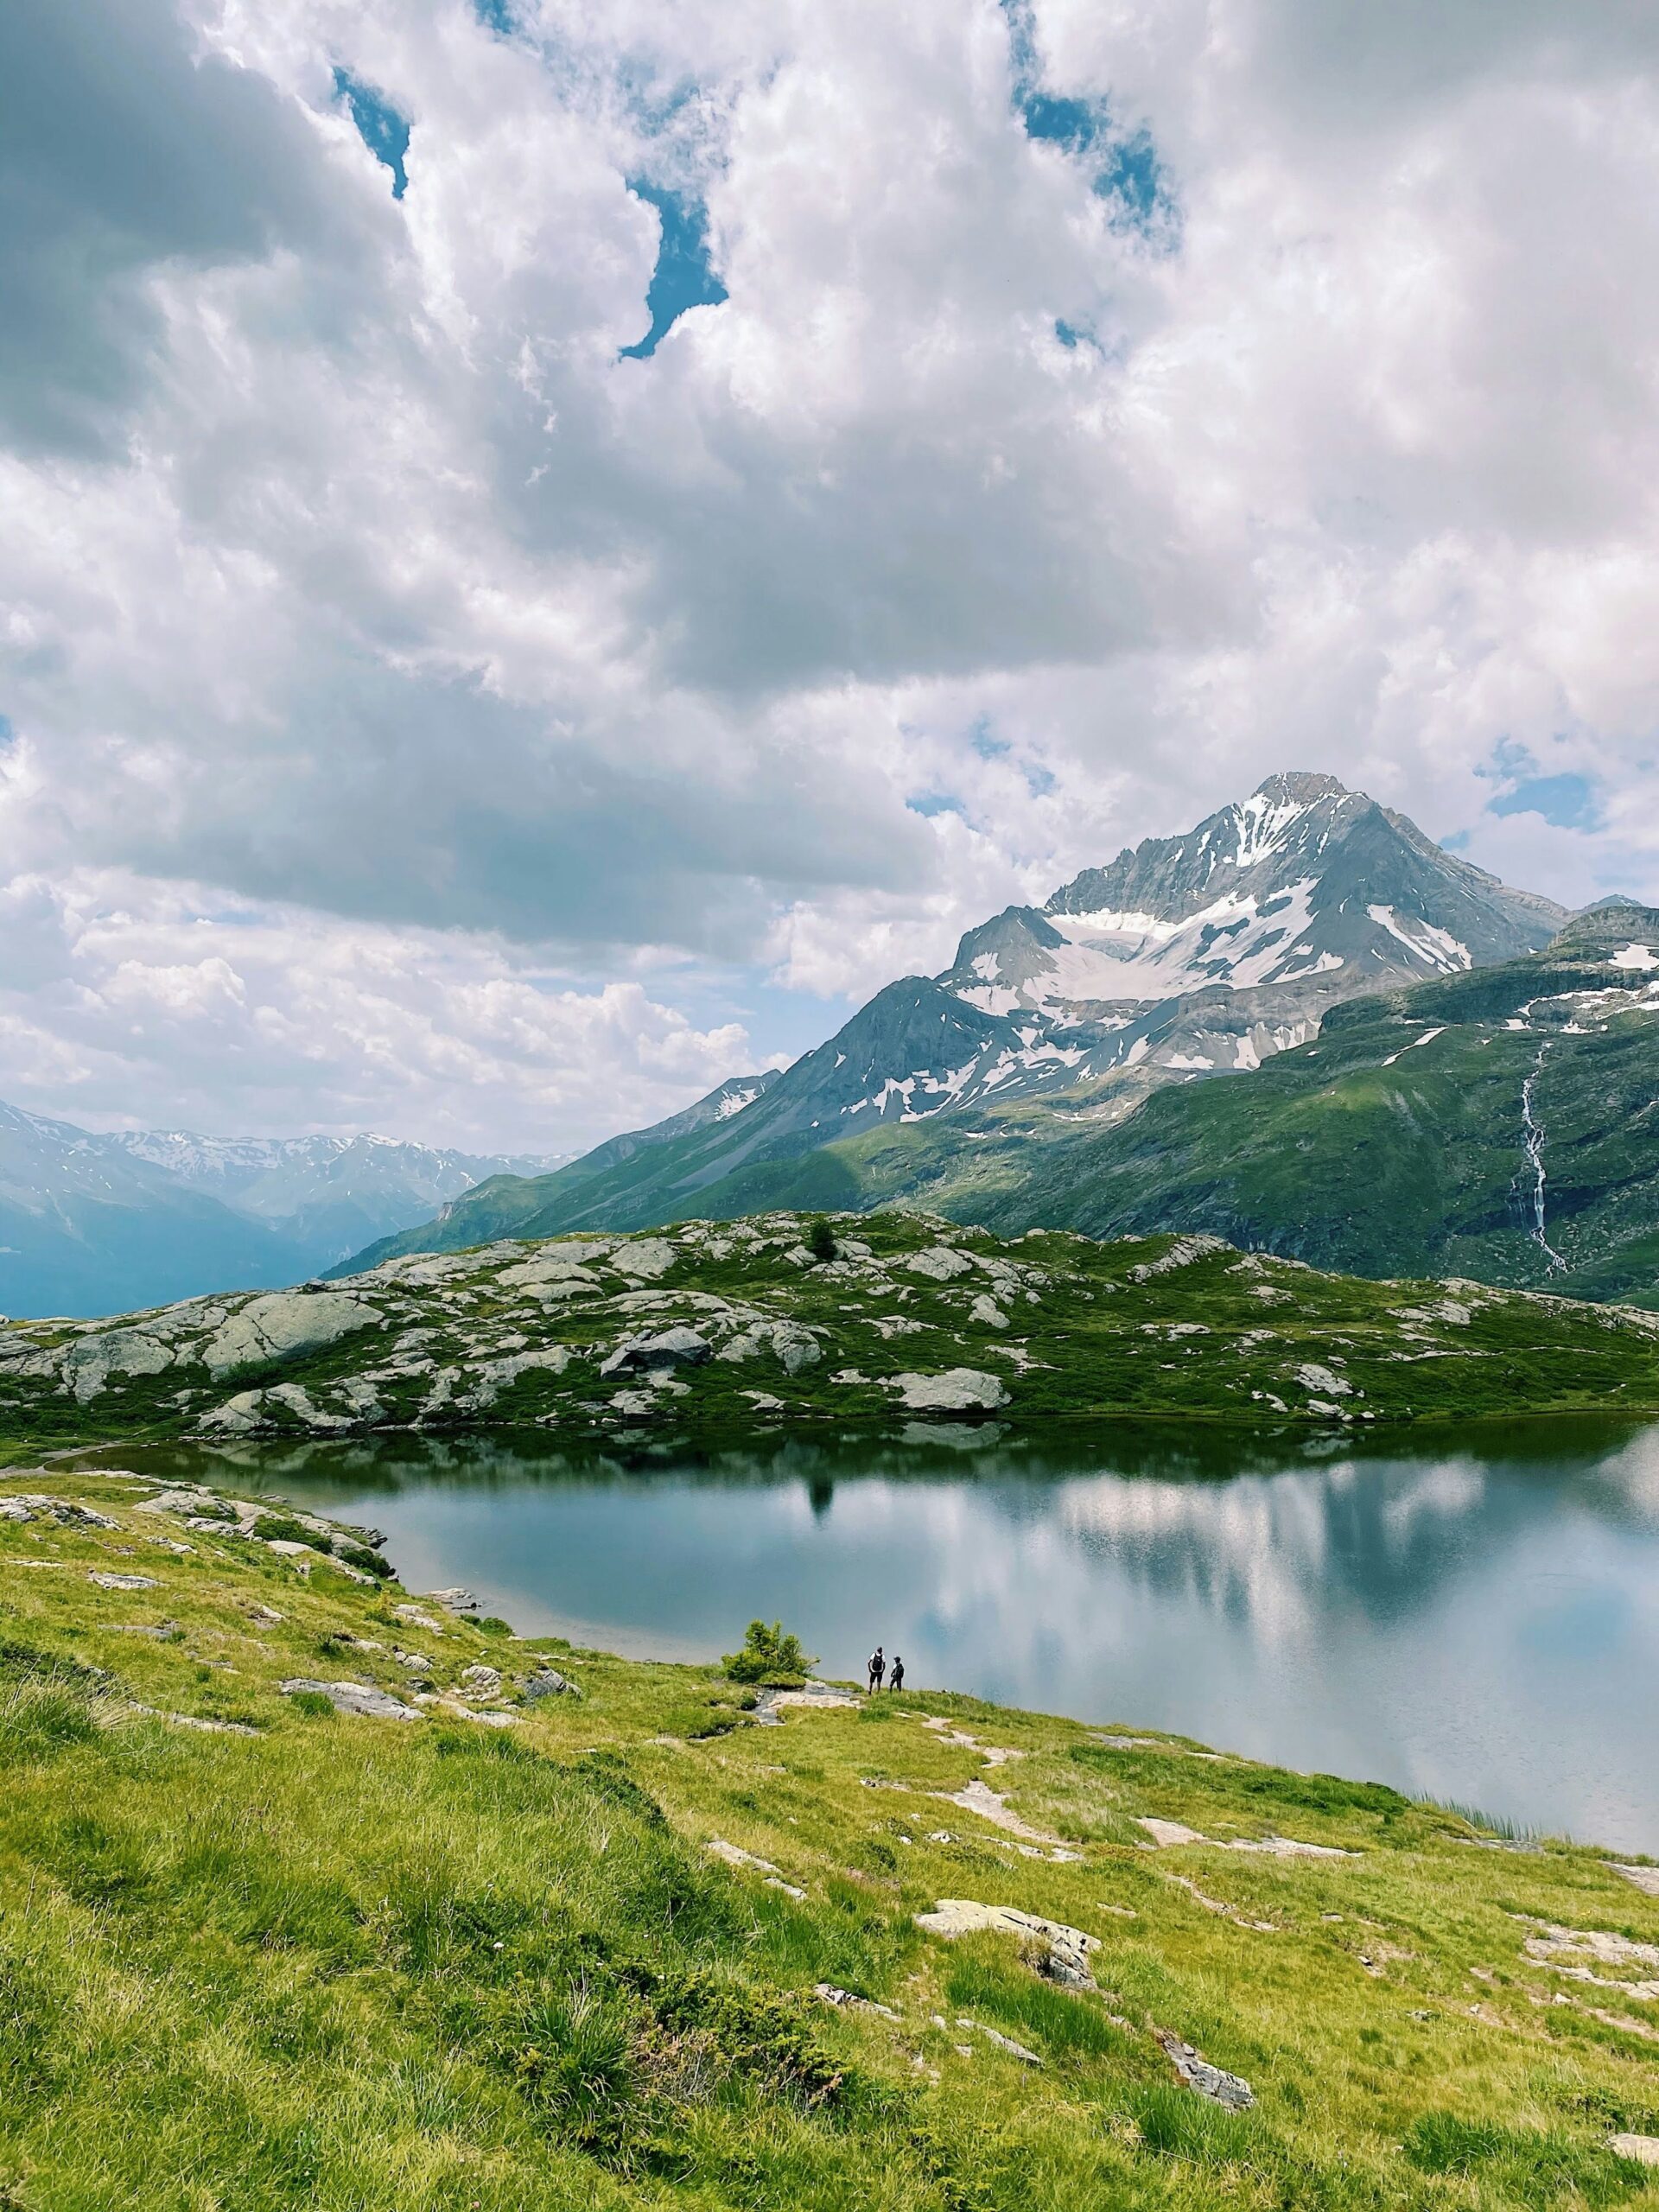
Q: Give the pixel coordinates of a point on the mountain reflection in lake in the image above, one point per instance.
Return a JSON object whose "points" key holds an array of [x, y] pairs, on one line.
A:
{"points": [[1476, 1617]]}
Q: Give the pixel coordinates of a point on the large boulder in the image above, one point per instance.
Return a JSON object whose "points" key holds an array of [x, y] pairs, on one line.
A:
{"points": [[959, 1389], [671, 1347], [939, 1263], [547, 1682]]}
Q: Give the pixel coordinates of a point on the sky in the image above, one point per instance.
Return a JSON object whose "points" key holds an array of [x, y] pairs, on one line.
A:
{"points": [[550, 549]]}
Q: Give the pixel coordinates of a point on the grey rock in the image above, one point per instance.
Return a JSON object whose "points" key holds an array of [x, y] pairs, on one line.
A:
{"points": [[294, 1398], [453, 1601], [672, 1348], [88, 1365], [499, 1375], [285, 1324], [845, 2001], [547, 1682], [645, 1259], [482, 1682], [124, 1581], [940, 1263], [959, 1389], [238, 1416], [29, 1506], [361, 1697], [1198, 2075]]}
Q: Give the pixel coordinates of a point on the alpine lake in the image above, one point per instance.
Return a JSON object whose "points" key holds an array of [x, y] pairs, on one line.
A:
{"points": [[1468, 1614]]}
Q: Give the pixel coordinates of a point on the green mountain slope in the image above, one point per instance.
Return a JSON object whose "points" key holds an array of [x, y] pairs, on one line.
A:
{"points": [[720, 1327], [1409, 1139]]}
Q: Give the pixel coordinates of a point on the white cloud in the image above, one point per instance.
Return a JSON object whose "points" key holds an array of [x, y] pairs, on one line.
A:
{"points": [[350, 574], [133, 1007]]}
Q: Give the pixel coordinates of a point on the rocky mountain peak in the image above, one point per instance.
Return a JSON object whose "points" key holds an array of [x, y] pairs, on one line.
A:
{"points": [[1302, 787]]}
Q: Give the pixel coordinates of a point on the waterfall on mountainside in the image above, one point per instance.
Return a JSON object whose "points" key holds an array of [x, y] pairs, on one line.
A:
{"points": [[1533, 1139]]}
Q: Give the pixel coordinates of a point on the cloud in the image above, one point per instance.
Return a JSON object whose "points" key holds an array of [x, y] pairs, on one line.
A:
{"points": [[1070, 414], [122, 151], [126, 1007]]}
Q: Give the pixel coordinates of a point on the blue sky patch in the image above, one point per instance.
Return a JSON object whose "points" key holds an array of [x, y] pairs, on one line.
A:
{"points": [[931, 803], [1078, 125], [986, 742], [1125, 165], [683, 277], [380, 127], [7, 733], [1566, 801], [495, 15]]}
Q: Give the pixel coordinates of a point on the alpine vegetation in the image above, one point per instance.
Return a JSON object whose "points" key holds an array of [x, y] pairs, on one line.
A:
{"points": [[734, 1325]]}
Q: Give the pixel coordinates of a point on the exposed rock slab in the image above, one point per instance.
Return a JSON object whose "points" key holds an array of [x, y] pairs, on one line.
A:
{"points": [[285, 1326], [359, 1698], [1068, 1948], [1168, 1835]]}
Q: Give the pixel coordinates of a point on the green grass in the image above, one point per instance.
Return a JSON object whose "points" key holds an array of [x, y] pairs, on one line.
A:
{"points": [[378, 1967]]}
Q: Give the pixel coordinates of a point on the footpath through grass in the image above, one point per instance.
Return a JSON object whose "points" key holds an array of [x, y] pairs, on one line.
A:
{"points": [[593, 1946]]}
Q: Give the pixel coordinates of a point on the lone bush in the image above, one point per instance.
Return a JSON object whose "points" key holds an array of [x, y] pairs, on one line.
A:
{"points": [[821, 1240], [359, 1557], [768, 1656]]}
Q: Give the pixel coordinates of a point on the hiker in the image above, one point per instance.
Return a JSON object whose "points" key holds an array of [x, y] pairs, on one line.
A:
{"points": [[896, 1679], [878, 1667]]}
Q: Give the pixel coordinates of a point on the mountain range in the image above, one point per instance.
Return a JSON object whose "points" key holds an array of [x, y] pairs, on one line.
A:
{"points": [[1143, 995], [1302, 1026], [89, 1222]]}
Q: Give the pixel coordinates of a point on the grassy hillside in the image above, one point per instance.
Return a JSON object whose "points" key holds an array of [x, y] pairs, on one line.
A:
{"points": [[731, 1327], [627, 1945]]}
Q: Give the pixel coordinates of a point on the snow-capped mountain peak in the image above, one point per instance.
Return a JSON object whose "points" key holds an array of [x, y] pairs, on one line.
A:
{"points": [[1303, 891]]}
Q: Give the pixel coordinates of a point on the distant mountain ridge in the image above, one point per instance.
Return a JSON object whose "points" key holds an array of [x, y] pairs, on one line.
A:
{"points": [[1184, 956], [91, 1222]]}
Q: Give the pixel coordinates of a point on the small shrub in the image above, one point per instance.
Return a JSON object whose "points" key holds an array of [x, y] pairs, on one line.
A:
{"points": [[768, 1656], [492, 1623], [283, 1529], [821, 1240], [312, 1703], [359, 1557]]}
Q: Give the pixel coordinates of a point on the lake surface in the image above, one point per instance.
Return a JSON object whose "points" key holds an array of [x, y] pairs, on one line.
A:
{"points": [[1476, 1618]]}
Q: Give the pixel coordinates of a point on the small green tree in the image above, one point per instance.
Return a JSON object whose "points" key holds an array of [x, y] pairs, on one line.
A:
{"points": [[821, 1240], [768, 1656]]}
